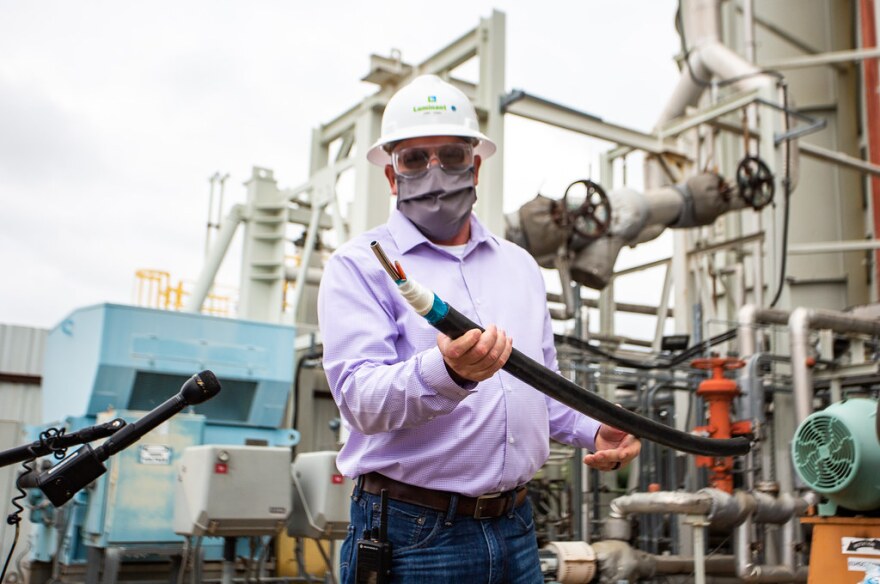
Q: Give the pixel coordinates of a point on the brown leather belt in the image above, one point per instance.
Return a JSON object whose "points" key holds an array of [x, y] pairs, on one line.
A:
{"points": [[482, 507]]}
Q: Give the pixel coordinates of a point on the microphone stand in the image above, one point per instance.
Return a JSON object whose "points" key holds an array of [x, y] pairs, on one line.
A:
{"points": [[63, 480]]}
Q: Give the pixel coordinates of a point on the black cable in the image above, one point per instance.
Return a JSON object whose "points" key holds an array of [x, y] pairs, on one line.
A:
{"points": [[14, 541], [786, 183], [454, 324], [14, 518], [47, 442], [685, 355]]}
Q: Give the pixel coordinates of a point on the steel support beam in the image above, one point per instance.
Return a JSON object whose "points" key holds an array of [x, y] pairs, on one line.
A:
{"points": [[520, 103], [840, 158], [823, 59], [833, 246], [722, 108]]}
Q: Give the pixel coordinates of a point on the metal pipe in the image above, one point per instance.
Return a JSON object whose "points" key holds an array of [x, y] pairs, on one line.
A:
{"points": [[715, 564], [749, 29], [800, 323], [699, 524], [662, 502], [313, 274], [305, 262], [706, 56], [214, 259], [725, 511], [750, 572], [749, 317], [722, 509], [777, 510]]}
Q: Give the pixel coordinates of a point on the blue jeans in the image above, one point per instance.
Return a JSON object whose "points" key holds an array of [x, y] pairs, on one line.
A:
{"points": [[441, 546]]}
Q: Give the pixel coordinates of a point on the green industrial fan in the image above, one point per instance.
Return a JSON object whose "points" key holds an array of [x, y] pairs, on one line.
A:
{"points": [[837, 454]]}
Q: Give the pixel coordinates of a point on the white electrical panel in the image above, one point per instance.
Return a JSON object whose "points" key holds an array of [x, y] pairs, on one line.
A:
{"points": [[232, 490], [322, 497]]}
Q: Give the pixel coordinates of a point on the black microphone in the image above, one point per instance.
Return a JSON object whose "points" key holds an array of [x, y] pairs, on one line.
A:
{"points": [[63, 480], [44, 447], [197, 389]]}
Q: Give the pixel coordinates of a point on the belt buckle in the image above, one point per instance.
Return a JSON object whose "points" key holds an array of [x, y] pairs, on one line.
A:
{"points": [[478, 508]]}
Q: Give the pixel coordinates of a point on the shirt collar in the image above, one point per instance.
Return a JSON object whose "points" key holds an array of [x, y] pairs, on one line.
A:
{"points": [[407, 236]]}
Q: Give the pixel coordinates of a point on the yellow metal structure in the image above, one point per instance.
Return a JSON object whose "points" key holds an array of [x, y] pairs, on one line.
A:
{"points": [[153, 289], [314, 561]]}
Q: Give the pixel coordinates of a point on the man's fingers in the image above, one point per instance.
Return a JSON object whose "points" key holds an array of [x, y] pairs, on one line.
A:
{"points": [[476, 355], [482, 351], [456, 348]]}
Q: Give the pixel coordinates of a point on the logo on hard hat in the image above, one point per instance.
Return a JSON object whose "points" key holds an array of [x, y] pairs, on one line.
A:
{"points": [[432, 106]]}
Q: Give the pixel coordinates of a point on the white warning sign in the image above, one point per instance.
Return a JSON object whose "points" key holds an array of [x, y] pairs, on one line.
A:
{"points": [[860, 545], [861, 564], [154, 454]]}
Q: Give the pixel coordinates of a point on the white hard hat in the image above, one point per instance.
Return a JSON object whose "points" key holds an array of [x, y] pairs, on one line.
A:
{"points": [[428, 106]]}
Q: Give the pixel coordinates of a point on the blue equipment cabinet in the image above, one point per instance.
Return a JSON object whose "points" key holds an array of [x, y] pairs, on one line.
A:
{"points": [[111, 360]]}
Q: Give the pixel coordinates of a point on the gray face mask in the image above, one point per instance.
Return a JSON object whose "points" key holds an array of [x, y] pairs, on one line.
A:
{"points": [[438, 203]]}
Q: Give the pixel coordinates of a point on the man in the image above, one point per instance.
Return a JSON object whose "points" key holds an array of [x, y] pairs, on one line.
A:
{"points": [[434, 421]]}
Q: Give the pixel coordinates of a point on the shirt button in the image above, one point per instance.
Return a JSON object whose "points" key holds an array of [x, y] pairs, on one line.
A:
{"points": [[510, 439]]}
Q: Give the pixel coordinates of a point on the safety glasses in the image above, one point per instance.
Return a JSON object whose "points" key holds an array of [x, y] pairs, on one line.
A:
{"points": [[455, 157]]}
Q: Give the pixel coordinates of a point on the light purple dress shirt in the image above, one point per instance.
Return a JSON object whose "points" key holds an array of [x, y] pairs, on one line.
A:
{"points": [[408, 419]]}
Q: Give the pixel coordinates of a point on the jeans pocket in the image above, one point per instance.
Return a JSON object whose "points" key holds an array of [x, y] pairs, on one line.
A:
{"points": [[409, 526], [523, 515], [346, 555]]}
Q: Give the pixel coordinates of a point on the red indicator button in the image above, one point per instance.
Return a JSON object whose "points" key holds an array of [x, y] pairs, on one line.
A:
{"points": [[221, 468], [337, 479]]}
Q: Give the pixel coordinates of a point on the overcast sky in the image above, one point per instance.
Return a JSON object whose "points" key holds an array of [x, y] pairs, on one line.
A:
{"points": [[113, 115]]}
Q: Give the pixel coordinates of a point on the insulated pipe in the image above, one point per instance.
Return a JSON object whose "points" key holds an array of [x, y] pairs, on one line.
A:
{"points": [[640, 217], [449, 321], [699, 503], [800, 323], [749, 317], [750, 572], [724, 511], [728, 65], [778, 510], [214, 259], [706, 58]]}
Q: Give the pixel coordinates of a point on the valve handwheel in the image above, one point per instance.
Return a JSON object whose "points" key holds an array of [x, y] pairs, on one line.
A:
{"points": [[586, 209], [755, 181], [718, 363]]}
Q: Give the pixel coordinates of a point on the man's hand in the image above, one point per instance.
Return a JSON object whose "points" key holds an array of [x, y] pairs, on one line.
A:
{"points": [[476, 355], [613, 448]]}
